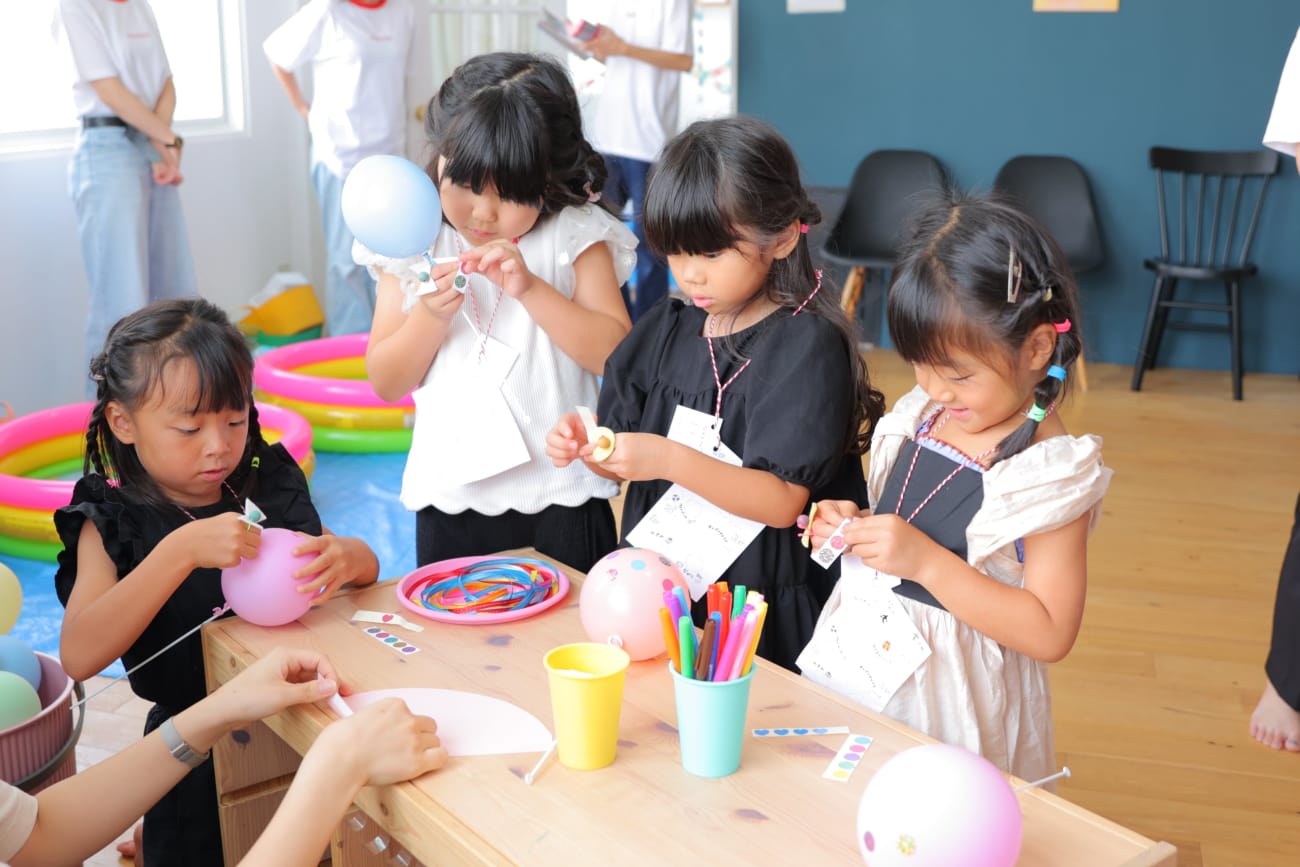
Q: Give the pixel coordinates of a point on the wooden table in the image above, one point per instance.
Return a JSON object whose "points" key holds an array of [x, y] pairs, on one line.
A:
{"points": [[642, 809]]}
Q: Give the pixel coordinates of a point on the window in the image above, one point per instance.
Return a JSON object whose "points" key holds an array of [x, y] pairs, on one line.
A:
{"points": [[203, 47]]}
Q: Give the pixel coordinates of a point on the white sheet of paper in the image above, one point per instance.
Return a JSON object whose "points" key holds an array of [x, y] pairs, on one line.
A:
{"points": [[473, 422], [873, 642], [702, 539], [469, 724]]}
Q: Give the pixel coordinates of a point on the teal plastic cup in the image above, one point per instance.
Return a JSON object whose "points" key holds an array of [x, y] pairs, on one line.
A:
{"points": [[711, 722]]}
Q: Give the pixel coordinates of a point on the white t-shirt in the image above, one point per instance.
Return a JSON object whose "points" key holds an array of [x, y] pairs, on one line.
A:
{"points": [[1284, 123], [542, 385], [638, 110], [111, 40], [17, 819], [359, 62]]}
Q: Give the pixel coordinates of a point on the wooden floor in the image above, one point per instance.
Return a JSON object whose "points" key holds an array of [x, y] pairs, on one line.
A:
{"points": [[1153, 704]]}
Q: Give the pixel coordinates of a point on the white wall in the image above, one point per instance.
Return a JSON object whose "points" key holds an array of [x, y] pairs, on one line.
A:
{"points": [[248, 205]]}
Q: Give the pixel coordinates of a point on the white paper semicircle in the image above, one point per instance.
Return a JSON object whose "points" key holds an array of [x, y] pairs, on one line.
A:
{"points": [[469, 724]]}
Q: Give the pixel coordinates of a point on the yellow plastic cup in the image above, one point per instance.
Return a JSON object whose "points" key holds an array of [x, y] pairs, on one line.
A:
{"points": [[586, 698]]}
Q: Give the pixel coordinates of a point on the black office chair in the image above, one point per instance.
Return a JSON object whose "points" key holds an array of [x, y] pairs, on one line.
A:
{"points": [[1055, 191], [884, 192], [1212, 187]]}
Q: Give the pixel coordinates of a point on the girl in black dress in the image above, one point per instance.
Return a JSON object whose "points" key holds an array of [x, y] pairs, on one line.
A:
{"points": [[762, 366], [173, 449]]}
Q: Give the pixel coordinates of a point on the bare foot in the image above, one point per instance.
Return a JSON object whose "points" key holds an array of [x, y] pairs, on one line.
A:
{"points": [[130, 848], [1275, 723]]}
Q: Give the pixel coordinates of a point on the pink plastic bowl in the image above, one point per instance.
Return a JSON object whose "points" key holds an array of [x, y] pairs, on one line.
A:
{"points": [[31, 745]]}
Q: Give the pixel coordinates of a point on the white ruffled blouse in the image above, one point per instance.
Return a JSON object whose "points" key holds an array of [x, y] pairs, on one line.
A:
{"points": [[972, 691], [542, 384]]}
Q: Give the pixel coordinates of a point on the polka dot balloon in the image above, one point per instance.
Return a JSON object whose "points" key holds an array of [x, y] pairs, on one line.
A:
{"points": [[621, 599], [939, 805]]}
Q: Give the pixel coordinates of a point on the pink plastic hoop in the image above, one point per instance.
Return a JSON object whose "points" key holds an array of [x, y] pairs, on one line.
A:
{"points": [[410, 579], [274, 373], [50, 494]]}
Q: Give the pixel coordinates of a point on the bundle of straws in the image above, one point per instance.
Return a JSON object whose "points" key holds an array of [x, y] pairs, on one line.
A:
{"points": [[725, 650]]}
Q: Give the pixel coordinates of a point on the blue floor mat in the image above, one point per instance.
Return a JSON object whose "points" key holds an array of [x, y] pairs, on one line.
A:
{"points": [[356, 495]]}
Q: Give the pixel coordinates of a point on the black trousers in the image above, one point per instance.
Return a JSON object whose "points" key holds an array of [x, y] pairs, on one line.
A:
{"points": [[577, 536], [1283, 665]]}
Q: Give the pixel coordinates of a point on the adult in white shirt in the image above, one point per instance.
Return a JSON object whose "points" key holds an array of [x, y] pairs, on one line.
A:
{"points": [[126, 165], [1276, 719], [645, 47], [358, 52]]}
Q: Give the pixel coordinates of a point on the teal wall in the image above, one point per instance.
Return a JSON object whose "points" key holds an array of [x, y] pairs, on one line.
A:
{"points": [[977, 81]]}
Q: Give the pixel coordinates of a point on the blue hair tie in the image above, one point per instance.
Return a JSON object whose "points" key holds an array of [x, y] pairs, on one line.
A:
{"points": [[1056, 372]]}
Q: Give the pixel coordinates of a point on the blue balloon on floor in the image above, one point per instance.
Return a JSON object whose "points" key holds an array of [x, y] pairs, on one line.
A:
{"points": [[18, 658], [391, 206]]}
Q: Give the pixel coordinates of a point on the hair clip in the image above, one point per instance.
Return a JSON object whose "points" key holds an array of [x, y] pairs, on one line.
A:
{"points": [[1056, 372], [1062, 327], [1036, 413], [1013, 277], [1047, 294], [803, 228]]}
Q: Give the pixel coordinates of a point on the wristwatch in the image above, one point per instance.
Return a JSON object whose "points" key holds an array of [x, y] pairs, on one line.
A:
{"points": [[180, 750], [174, 143]]}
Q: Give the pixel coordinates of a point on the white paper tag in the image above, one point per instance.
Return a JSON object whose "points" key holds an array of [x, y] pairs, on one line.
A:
{"points": [[867, 648], [830, 550], [702, 539]]}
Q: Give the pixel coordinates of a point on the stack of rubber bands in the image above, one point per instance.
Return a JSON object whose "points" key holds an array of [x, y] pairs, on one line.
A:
{"points": [[488, 586]]}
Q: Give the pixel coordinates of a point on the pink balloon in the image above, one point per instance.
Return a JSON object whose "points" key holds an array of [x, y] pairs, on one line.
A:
{"points": [[263, 590], [939, 805], [621, 599]]}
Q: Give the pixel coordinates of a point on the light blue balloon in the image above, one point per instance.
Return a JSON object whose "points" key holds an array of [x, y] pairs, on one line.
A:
{"points": [[391, 206], [18, 658]]}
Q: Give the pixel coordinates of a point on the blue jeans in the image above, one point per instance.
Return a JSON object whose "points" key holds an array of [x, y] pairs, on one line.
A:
{"points": [[132, 231], [349, 288], [626, 181]]}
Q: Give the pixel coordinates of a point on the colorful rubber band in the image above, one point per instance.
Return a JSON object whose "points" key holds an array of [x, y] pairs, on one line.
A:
{"points": [[1056, 372], [486, 587], [1036, 413]]}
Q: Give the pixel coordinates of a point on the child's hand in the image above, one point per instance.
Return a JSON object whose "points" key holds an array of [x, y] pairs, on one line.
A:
{"points": [[637, 457], [221, 541], [382, 743], [339, 559], [566, 439], [445, 302], [890, 544], [830, 514], [501, 262]]}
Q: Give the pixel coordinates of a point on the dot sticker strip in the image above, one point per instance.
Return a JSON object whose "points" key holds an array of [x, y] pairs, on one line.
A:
{"points": [[833, 547], [800, 732], [401, 645], [846, 761]]}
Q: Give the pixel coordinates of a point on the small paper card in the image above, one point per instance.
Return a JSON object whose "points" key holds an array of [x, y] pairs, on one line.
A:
{"points": [[832, 548], [848, 759]]}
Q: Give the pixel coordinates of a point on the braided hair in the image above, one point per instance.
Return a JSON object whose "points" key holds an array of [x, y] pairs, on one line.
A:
{"points": [[512, 120], [979, 275], [136, 353], [736, 179]]}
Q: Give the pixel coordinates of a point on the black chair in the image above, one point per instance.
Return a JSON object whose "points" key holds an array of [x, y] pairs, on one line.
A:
{"points": [[1055, 191], [882, 196], [1212, 188]]}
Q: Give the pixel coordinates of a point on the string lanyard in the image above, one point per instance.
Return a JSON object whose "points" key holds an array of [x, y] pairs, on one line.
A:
{"points": [[224, 484], [966, 462], [713, 362], [461, 281]]}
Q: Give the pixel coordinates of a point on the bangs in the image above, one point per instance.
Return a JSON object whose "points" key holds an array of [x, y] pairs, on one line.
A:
{"points": [[218, 384], [498, 146], [686, 206], [931, 328]]}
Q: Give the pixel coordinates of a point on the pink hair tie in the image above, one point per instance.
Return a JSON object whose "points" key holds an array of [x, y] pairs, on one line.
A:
{"points": [[803, 228], [1062, 327]]}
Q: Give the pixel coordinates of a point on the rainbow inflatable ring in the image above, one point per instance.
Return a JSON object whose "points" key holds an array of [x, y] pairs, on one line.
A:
{"points": [[324, 381], [36, 449]]}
